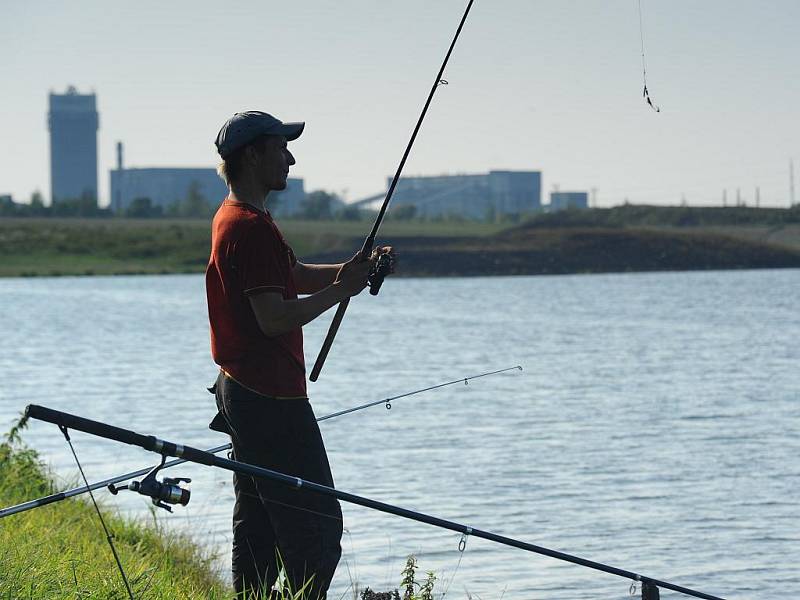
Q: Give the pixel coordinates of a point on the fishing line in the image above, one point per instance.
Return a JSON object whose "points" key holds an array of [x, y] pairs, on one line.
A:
{"points": [[109, 536], [462, 545], [645, 93]]}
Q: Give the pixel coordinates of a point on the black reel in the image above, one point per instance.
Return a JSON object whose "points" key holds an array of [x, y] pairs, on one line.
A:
{"points": [[162, 493], [382, 268]]}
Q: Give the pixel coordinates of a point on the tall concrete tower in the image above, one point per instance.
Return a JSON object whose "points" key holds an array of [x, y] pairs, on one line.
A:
{"points": [[73, 123]]}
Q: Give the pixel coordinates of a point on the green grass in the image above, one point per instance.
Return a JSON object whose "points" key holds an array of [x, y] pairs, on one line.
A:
{"points": [[59, 552], [30, 247], [625, 238]]}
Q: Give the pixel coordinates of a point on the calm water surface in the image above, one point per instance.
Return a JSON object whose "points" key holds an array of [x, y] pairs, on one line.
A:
{"points": [[656, 426]]}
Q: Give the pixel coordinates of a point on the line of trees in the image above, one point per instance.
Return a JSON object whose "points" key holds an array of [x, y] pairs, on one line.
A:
{"points": [[317, 205], [193, 205], [84, 206]]}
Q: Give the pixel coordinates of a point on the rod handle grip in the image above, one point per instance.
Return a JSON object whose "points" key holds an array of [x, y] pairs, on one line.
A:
{"points": [[69, 421]]}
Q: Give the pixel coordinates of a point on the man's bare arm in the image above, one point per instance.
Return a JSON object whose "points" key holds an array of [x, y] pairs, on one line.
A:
{"points": [[311, 279], [275, 315]]}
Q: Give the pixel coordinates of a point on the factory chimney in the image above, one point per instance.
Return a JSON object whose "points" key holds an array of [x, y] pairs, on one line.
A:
{"points": [[119, 156], [116, 190]]}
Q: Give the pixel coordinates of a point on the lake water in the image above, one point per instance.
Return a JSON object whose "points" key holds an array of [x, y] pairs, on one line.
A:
{"points": [[656, 426]]}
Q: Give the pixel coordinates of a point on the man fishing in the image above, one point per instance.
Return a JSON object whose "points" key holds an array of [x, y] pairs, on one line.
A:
{"points": [[252, 284]]}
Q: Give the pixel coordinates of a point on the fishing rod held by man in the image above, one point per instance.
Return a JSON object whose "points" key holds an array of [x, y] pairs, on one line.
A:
{"points": [[369, 242]]}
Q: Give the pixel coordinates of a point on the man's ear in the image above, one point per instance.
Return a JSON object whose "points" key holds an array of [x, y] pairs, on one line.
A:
{"points": [[250, 155]]}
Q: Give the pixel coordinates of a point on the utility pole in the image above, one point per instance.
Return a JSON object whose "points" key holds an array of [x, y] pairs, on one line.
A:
{"points": [[593, 198], [758, 197], [791, 183], [738, 197]]}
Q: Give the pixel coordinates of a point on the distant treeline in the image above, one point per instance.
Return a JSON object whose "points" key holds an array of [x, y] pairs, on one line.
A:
{"points": [[317, 205], [193, 205], [323, 205], [85, 206]]}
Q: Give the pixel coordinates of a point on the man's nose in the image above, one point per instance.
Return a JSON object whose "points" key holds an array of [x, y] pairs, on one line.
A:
{"points": [[291, 158]]}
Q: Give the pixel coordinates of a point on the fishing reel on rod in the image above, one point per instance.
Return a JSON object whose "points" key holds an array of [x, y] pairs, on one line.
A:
{"points": [[382, 268], [161, 493]]}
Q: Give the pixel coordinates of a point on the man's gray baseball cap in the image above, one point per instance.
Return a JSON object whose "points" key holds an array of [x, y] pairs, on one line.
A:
{"points": [[243, 127]]}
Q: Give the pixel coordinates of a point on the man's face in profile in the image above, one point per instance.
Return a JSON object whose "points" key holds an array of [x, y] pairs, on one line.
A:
{"points": [[275, 162]]}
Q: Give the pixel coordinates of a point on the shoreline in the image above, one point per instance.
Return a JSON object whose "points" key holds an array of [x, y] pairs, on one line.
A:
{"points": [[84, 275], [86, 247], [57, 550]]}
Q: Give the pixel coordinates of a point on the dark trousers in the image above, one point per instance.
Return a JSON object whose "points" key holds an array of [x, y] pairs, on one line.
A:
{"points": [[275, 525]]}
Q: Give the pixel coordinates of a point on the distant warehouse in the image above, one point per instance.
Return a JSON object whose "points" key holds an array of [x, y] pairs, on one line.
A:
{"points": [[166, 187], [473, 196], [564, 200]]}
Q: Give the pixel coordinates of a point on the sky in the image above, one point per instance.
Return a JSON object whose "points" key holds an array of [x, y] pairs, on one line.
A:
{"points": [[549, 85]]}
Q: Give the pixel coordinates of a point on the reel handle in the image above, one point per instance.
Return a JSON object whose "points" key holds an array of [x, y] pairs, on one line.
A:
{"points": [[383, 267]]}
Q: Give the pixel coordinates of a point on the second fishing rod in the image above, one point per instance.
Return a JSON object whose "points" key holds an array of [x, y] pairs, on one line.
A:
{"points": [[66, 421], [170, 489]]}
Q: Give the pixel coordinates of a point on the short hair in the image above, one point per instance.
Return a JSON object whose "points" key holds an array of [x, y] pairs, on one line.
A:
{"points": [[230, 169]]}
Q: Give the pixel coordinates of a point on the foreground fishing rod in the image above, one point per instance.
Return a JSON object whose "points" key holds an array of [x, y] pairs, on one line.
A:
{"points": [[66, 421], [383, 265], [167, 494]]}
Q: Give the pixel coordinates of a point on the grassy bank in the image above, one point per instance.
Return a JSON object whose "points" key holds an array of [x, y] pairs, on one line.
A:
{"points": [[628, 238], [60, 551], [31, 247]]}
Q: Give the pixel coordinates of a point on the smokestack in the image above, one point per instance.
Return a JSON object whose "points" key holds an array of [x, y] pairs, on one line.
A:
{"points": [[117, 198], [119, 156]]}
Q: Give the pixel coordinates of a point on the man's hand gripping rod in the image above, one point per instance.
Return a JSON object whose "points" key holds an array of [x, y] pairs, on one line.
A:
{"points": [[382, 269]]}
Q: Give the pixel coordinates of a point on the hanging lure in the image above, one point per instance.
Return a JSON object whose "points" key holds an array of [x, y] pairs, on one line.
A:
{"points": [[645, 92]]}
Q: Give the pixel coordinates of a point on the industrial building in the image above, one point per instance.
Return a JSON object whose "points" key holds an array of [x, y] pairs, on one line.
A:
{"points": [[472, 196], [564, 200], [165, 186], [73, 122]]}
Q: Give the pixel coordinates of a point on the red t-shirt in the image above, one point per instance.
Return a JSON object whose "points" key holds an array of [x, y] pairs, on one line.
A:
{"points": [[249, 256]]}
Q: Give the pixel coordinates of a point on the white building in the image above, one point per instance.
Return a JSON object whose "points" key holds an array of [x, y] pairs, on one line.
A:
{"points": [[473, 196]]}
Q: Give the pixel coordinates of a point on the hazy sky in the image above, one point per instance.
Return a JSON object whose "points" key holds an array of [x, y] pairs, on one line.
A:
{"points": [[550, 85]]}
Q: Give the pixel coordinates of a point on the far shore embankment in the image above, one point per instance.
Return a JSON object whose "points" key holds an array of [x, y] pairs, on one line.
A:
{"points": [[622, 239]]}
